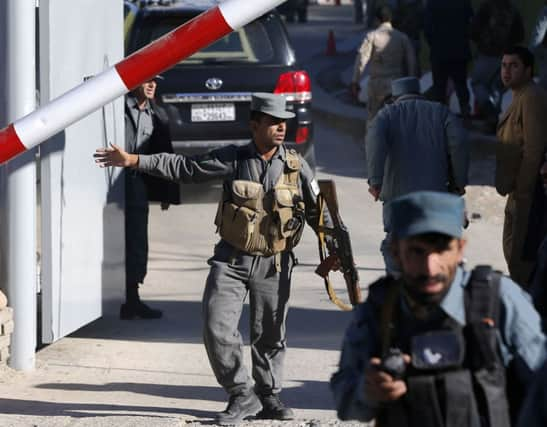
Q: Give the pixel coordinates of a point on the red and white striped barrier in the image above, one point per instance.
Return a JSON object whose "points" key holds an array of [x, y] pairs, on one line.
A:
{"points": [[46, 121]]}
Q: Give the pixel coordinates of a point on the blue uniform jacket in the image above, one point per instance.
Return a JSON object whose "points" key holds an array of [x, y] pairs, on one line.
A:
{"points": [[414, 145], [520, 329]]}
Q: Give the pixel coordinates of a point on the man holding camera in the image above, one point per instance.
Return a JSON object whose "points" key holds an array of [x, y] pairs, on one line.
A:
{"points": [[437, 346]]}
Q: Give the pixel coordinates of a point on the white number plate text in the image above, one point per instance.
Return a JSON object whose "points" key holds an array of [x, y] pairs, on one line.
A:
{"points": [[213, 112]]}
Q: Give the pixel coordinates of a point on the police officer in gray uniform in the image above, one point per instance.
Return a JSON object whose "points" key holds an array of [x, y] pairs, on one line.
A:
{"points": [[432, 348], [268, 193], [146, 132]]}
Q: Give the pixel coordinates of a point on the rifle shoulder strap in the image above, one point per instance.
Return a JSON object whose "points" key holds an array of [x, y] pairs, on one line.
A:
{"points": [[500, 388], [482, 296], [384, 296]]}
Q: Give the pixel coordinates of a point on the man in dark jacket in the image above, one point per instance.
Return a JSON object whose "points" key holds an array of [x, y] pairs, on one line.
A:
{"points": [[446, 30], [146, 132]]}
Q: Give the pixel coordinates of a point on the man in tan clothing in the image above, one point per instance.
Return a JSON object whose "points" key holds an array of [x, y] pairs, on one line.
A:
{"points": [[522, 134], [390, 55]]}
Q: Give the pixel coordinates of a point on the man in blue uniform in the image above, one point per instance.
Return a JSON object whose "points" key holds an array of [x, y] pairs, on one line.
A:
{"points": [[454, 333], [412, 145]]}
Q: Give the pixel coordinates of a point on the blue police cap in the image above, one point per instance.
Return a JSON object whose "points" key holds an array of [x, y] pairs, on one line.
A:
{"points": [[427, 212], [404, 86]]}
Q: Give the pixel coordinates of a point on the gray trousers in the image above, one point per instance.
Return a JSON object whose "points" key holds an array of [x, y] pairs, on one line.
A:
{"points": [[232, 276], [136, 229]]}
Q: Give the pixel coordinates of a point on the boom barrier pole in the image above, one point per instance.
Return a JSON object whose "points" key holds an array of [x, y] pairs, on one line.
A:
{"points": [[134, 70]]}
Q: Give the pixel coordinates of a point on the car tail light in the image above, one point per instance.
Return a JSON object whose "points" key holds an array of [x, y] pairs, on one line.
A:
{"points": [[302, 135], [295, 85]]}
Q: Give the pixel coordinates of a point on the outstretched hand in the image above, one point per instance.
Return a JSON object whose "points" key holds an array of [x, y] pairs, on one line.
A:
{"points": [[115, 156]]}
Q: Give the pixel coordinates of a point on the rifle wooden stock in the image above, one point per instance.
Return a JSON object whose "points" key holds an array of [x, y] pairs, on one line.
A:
{"points": [[341, 245]]}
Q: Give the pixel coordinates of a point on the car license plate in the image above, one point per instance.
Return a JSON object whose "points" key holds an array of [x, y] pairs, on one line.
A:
{"points": [[213, 112]]}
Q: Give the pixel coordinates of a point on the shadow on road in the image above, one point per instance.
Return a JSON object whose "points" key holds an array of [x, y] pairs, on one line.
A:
{"points": [[182, 323], [85, 410], [317, 398]]}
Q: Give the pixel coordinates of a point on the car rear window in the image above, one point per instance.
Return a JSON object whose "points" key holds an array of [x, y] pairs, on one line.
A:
{"points": [[250, 44]]}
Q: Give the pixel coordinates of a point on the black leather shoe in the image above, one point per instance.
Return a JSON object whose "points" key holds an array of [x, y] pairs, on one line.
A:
{"points": [[131, 311], [239, 407], [274, 409]]}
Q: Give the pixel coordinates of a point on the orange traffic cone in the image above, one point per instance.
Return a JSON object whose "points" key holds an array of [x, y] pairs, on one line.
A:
{"points": [[331, 44]]}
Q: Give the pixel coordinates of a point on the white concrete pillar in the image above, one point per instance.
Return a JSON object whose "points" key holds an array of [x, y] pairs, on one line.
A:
{"points": [[18, 189]]}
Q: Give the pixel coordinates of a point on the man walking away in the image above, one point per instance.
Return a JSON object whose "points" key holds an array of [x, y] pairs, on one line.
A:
{"points": [[389, 54], [447, 31], [408, 17], [414, 144]]}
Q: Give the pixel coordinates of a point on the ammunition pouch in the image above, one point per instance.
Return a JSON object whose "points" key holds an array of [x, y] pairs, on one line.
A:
{"points": [[261, 223]]}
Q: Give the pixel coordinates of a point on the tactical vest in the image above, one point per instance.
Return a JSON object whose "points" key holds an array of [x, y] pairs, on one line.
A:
{"points": [[259, 222], [456, 379]]}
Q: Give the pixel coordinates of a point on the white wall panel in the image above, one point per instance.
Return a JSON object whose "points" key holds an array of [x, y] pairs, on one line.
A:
{"points": [[82, 212]]}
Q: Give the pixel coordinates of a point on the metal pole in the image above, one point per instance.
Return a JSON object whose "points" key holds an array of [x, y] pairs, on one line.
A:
{"points": [[18, 239]]}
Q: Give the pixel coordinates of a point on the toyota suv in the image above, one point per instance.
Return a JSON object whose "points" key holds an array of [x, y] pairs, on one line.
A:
{"points": [[207, 96]]}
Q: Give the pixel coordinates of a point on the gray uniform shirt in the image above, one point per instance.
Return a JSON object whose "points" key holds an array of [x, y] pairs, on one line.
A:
{"points": [[143, 124], [231, 163]]}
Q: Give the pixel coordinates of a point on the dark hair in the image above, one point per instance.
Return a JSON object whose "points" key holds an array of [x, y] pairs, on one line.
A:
{"points": [[384, 14], [256, 116], [523, 53]]}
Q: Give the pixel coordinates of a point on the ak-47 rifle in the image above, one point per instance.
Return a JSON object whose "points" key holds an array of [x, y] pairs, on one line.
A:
{"points": [[339, 246]]}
